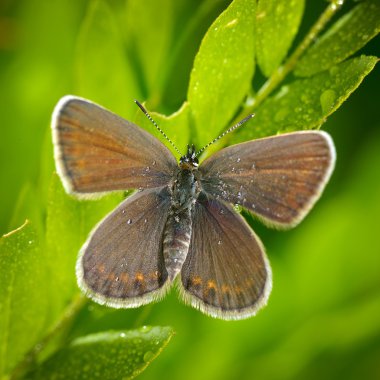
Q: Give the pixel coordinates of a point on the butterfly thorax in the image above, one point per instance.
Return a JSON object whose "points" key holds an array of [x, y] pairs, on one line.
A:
{"points": [[184, 192], [185, 187]]}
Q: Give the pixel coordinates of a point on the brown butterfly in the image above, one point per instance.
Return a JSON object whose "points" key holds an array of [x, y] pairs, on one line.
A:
{"points": [[181, 226]]}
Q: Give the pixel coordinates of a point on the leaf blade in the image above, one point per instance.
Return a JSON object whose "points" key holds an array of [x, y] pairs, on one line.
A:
{"points": [[350, 33], [23, 301], [306, 103], [277, 23], [106, 355], [222, 70]]}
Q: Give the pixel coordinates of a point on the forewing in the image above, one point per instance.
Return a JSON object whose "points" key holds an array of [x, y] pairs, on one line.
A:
{"points": [[121, 264], [278, 178], [98, 151], [226, 273]]}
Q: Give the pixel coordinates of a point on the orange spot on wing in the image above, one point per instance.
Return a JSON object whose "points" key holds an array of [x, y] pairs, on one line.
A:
{"points": [[211, 284], [196, 280], [124, 277], [101, 268], [111, 276], [225, 289], [139, 277]]}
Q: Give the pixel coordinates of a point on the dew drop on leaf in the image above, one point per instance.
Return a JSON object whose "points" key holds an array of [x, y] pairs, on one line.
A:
{"points": [[327, 100], [333, 70], [237, 207], [148, 356], [145, 329]]}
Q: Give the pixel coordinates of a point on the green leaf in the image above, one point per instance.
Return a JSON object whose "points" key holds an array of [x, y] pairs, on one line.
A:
{"points": [[69, 221], [345, 37], [106, 355], [222, 71], [277, 23], [23, 300], [175, 126], [104, 75], [306, 103]]}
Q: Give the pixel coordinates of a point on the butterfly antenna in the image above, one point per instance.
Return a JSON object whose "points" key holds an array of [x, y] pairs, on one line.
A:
{"points": [[158, 128], [241, 122]]}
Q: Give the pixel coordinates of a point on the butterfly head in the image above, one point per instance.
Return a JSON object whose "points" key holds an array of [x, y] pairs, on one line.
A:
{"points": [[189, 160]]}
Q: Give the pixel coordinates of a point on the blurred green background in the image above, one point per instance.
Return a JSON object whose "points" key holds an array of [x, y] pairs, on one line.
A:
{"points": [[323, 317]]}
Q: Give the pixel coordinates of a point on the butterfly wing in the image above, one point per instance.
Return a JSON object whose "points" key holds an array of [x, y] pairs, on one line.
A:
{"points": [[277, 178], [226, 273], [98, 151], [122, 264]]}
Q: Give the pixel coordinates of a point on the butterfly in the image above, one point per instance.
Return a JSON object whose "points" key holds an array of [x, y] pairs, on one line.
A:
{"points": [[181, 226]]}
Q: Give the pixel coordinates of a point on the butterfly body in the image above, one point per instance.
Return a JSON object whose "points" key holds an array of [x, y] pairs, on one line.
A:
{"points": [[182, 225], [184, 193]]}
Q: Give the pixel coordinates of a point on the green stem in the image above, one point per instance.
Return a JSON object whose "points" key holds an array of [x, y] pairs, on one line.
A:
{"points": [[279, 75], [62, 324]]}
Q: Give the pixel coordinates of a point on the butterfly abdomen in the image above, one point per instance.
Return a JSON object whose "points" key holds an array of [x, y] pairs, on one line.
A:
{"points": [[176, 241]]}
